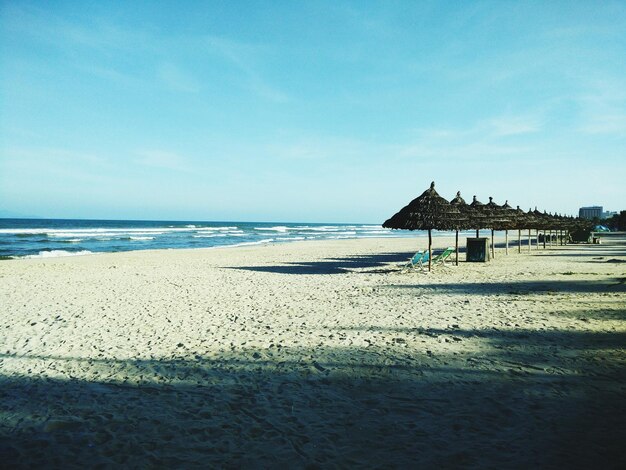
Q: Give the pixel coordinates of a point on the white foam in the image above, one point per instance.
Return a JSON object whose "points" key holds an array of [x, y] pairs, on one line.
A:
{"points": [[214, 235], [260, 242], [141, 238], [278, 228], [103, 230], [290, 238], [81, 234], [19, 231], [345, 233], [58, 254], [317, 233], [321, 228], [208, 229]]}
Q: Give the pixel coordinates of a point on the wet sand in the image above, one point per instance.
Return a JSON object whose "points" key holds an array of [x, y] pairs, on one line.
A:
{"points": [[314, 354]]}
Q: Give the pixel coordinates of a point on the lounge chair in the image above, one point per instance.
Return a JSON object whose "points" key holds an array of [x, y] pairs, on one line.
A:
{"points": [[442, 257], [416, 261]]}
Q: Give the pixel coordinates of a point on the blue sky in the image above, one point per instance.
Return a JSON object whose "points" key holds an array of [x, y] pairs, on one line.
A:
{"points": [[308, 111]]}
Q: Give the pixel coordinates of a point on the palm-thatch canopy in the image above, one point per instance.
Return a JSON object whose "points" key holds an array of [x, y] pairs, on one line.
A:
{"points": [[520, 219], [514, 216], [542, 220], [481, 217], [498, 217], [429, 211], [476, 204], [532, 220], [472, 217], [458, 200]]}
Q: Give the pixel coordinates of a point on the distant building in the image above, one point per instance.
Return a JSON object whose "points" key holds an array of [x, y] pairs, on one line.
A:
{"points": [[608, 214], [590, 212]]}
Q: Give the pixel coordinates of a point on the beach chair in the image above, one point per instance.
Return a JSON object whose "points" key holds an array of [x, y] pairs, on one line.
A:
{"points": [[416, 261], [442, 257]]}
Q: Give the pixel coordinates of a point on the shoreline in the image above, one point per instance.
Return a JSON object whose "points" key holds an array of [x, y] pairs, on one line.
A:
{"points": [[499, 239], [314, 352]]}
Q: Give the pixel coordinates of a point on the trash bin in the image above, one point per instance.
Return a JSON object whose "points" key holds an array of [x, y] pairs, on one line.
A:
{"points": [[477, 250]]}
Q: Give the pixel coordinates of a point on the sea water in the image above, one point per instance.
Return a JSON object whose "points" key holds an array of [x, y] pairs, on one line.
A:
{"points": [[60, 237]]}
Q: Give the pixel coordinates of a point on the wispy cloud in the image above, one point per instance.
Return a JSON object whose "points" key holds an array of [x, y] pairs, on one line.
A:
{"points": [[606, 124], [69, 165], [54, 29], [603, 107], [243, 56], [514, 125], [484, 140], [320, 148], [54, 156], [163, 160], [177, 78]]}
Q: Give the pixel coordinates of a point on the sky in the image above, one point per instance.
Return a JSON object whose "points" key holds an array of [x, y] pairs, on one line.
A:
{"points": [[308, 111]]}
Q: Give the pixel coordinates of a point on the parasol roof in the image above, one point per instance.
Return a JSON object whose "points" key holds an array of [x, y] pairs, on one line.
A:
{"points": [[513, 216], [498, 217], [426, 212], [473, 217], [481, 216], [488, 215], [541, 219], [522, 219]]}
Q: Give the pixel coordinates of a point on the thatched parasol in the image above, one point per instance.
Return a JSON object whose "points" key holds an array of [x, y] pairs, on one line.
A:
{"points": [[496, 220], [533, 222], [541, 223], [481, 217], [512, 222], [522, 220], [551, 223], [562, 228], [472, 218], [427, 212]]}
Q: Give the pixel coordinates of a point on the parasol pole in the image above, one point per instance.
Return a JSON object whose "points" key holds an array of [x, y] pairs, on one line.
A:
{"points": [[506, 242], [529, 240], [430, 255], [519, 240], [537, 233], [493, 249], [457, 247]]}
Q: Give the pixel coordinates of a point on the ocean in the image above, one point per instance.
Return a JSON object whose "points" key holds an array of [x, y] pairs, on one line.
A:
{"points": [[59, 237]]}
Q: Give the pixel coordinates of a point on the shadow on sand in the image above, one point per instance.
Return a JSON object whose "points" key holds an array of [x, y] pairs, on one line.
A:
{"points": [[390, 262], [380, 263], [521, 400], [552, 286]]}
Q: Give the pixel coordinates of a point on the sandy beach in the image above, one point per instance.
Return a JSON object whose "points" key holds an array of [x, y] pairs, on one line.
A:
{"points": [[314, 355]]}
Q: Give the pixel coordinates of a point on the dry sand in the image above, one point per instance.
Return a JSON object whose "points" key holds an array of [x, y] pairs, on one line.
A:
{"points": [[314, 354]]}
